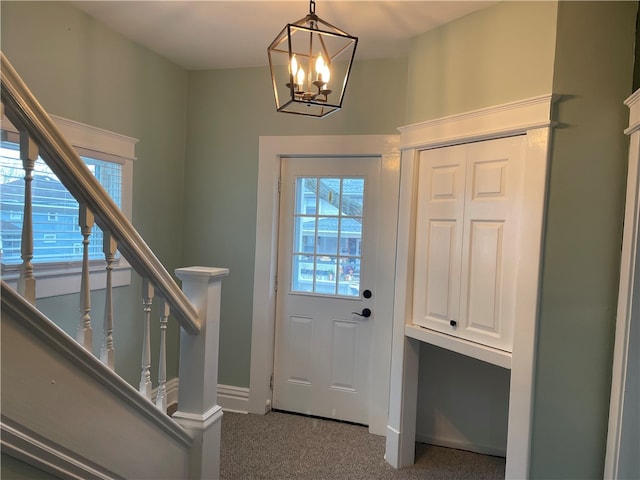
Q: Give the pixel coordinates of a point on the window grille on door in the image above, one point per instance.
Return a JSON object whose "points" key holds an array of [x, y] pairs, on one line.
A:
{"points": [[327, 235]]}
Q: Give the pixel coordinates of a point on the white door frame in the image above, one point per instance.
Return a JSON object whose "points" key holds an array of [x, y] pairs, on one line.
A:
{"points": [[625, 372], [271, 150]]}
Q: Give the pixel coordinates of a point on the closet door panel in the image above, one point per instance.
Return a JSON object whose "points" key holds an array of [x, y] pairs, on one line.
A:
{"points": [[439, 219], [490, 241]]}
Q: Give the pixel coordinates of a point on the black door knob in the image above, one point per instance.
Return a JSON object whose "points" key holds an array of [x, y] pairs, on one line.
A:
{"points": [[453, 323]]}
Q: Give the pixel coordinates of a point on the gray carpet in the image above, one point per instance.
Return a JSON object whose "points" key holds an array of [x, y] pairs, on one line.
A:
{"points": [[282, 446]]}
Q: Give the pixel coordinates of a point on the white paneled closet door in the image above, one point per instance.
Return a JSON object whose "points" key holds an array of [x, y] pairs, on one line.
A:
{"points": [[467, 224]]}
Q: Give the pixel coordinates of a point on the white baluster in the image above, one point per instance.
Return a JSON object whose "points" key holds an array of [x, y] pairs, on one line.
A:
{"points": [[107, 353], [85, 332], [145, 377], [26, 281], [161, 393]]}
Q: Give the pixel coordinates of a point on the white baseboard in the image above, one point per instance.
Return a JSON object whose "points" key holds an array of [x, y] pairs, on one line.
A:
{"points": [[233, 399], [230, 398], [470, 447], [172, 391]]}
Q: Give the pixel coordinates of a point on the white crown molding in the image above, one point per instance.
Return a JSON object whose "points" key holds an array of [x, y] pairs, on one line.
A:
{"points": [[633, 102], [514, 118]]}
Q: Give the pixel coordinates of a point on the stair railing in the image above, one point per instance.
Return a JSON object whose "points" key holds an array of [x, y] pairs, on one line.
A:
{"points": [[195, 306]]}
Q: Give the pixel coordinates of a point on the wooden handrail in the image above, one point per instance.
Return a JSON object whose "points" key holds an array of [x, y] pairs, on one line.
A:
{"points": [[26, 113]]}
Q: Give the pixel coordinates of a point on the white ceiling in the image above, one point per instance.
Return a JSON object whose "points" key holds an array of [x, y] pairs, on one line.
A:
{"points": [[200, 35]]}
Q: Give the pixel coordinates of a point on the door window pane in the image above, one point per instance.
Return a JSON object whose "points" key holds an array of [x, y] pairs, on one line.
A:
{"points": [[329, 195], [305, 234], [328, 235], [306, 199]]}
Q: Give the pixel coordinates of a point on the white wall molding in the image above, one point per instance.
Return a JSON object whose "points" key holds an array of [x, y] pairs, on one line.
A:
{"points": [[492, 450], [233, 399], [230, 398], [88, 138], [194, 421], [53, 281], [509, 119], [21, 443], [172, 391]]}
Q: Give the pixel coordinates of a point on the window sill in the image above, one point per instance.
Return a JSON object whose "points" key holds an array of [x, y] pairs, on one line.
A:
{"points": [[52, 282]]}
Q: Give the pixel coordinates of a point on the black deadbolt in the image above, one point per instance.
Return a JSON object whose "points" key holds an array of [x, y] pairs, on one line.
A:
{"points": [[366, 294]]}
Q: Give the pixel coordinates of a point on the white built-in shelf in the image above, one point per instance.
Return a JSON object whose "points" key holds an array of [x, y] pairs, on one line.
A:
{"points": [[461, 346]]}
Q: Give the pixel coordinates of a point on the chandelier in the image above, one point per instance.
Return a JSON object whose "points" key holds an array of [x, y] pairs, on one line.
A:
{"points": [[310, 62]]}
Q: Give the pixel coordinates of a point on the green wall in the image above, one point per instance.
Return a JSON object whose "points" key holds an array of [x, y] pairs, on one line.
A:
{"points": [[198, 151], [80, 69], [96, 76], [228, 111], [593, 73], [497, 55], [500, 54], [584, 52]]}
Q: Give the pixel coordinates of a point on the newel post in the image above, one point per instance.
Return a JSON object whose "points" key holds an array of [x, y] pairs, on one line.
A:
{"points": [[198, 411]]}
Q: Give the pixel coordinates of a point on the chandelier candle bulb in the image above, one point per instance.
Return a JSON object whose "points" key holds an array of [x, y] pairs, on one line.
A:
{"points": [[319, 68]]}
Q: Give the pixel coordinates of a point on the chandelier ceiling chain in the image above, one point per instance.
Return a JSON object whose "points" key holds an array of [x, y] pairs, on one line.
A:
{"points": [[310, 62]]}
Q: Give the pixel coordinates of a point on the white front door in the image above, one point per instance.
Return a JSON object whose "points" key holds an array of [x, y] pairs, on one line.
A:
{"points": [[327, 270]]}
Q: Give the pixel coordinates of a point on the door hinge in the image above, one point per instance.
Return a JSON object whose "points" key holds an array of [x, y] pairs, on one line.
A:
{"points": [[279, 184], [275, 283], [271, 382]]}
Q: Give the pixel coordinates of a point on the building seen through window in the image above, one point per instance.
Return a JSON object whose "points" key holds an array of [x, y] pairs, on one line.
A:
{"points": [[56, 234]]}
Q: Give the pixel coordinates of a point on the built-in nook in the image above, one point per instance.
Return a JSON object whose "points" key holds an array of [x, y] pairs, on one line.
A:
{"points": [[463, 402], [467, 280]]}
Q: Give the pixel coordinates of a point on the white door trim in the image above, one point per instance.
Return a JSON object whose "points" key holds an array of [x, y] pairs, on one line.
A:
{"points": [[271, 149], [625, 372], [531, 117]]}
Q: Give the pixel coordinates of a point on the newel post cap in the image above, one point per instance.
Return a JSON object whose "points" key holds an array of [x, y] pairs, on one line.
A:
{"points": [[192, 273]]}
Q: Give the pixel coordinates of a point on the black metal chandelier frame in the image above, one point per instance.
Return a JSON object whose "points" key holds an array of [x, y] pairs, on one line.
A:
{"points": [[328, 51]]}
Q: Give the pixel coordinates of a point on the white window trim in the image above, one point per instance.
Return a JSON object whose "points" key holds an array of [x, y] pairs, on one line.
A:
{"points": [[53, 279]]}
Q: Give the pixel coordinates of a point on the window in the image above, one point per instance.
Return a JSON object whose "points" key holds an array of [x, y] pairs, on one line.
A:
{"points": [[58, 248], [55, 211], [327, 235]]}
